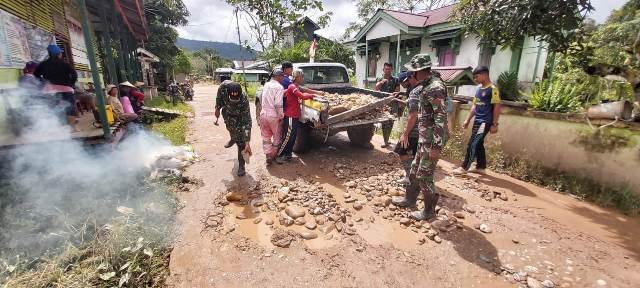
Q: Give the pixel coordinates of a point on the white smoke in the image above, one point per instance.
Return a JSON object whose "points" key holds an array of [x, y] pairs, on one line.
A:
{"points": [[52, 190]]}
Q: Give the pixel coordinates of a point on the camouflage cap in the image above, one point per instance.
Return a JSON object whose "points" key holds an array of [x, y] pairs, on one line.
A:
{"points": [[419, 62]]}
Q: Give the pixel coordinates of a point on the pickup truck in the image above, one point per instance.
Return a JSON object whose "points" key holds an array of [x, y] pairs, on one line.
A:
{"points": [[319, 125]]}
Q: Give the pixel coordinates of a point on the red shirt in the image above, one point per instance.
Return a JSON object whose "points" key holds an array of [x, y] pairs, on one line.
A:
{"points": [[138, 95], [294, 96]]}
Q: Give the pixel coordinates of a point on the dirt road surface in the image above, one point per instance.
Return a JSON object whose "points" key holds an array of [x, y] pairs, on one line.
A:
{"points": [[536, 237]]}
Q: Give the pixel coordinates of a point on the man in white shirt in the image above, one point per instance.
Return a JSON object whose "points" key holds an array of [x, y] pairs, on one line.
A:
{"points": [[271, 115]]}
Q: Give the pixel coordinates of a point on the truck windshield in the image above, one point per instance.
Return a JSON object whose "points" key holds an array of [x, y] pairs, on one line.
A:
{"points": [[325, 75]]}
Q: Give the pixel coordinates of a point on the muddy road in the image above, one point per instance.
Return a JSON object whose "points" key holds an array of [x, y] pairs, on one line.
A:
{"points": [[230, 229]]}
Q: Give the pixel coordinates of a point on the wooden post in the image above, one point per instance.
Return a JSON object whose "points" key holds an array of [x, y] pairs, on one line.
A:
{"points": [[398, 55], [82, 5], [366, 62]]}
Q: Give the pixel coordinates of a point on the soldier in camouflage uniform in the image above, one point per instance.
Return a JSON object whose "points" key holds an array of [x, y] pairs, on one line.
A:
{"points": [[237, 118], [433, 135]]}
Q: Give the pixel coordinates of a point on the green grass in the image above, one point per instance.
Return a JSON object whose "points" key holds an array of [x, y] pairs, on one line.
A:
{"points": [[523, 168], [175, 130], [159, 102]]}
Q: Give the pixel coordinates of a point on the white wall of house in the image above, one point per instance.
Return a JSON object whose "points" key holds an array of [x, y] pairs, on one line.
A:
{"points": [[384, 57], [469, 52], [360, 69], [528, 60], [382, 29], [425, 47], [500, 62]]}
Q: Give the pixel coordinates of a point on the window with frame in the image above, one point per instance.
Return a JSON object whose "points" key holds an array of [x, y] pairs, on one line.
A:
{"points": [[445, 52]]}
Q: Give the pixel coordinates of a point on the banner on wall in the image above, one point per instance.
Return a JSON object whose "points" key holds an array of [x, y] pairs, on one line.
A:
{"points": [[21, 42]]}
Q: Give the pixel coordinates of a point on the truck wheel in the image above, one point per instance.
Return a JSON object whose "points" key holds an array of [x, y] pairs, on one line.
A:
{"points": [[361, 135], [258, 109], [303, 140]]}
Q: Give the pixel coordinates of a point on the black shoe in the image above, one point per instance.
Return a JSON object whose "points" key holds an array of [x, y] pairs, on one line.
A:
{"points": [[403, 202], [229, 144], [241, 171]]}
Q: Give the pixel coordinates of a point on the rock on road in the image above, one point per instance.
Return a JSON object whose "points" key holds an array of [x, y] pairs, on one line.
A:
{"points": [[230, 230]]}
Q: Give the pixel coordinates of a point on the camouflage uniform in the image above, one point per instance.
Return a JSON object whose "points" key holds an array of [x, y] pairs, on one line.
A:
{"points": [[433, 135], [390, 86], [237, 116]]}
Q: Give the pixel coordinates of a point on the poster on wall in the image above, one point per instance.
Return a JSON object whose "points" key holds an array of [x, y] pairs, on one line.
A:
{"points": [[38, 40], [16, 40]]}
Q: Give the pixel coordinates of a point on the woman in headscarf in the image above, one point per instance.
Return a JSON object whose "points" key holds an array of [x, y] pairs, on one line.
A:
{"points": [[118, 110], [60, 78]]}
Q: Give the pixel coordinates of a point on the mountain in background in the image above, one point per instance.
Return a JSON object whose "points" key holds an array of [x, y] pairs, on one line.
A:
{"points": [[230, 51]]}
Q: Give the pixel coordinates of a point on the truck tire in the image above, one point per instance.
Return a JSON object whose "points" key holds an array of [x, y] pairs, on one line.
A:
{"points": [[361, 135], [303, 140]]}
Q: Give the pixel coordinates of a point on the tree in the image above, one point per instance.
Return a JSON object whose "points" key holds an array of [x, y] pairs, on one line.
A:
{"points": [[162, 16], [328, 51], [507, 22], [212, 60], [367, 8], [268, 18], [182, 63]]}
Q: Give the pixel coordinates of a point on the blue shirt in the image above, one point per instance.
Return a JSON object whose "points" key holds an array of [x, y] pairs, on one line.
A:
{"points": [[484, 100], [286, 80]]}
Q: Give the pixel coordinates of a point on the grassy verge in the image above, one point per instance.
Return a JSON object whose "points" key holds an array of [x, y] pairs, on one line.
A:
{"points": [[127, 246], [160, 102], [621, 198], [175, 129]]}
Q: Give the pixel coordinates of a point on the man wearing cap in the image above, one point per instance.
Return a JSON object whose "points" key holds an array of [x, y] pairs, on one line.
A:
{"points": [[433, 135], [60, 79], [234, 106], [408, 144], [387, 83], [271, 116], [486, 109]]}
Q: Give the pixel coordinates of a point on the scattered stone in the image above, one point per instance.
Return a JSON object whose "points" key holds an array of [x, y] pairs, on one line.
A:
{"points": [[504, 197], [233, 197], [422, 240], [308, 235], [360, 249], [485, 228], [357, 206], [530, 269], [533, 283], [431, 234], [548, 284], [300, 221], [257, 220], [241, 216], [285, 220], [282, 238], [358, 219], [346, 195], [350, 184], [310, 225], [350, 200], [339, 226], [327, 228], [515, 241], [470, 209], [601, 282], [405, 221], [294, 211], [437, 239], [350, 231], [459, 214], [328, 237], [334, 218], [269, 222], [320, 220], [385, 200]]}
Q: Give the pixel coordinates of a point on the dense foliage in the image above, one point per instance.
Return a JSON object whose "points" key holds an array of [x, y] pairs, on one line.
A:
{"points": [[183, 63], [162, 16], [555, 96], [327, 51], [508, 85], [507, 22]]}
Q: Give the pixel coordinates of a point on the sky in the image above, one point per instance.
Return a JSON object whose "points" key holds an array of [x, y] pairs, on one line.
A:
{"points": [[213, 20]]}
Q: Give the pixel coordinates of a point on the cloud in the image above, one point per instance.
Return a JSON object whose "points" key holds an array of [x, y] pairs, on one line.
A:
{"points": [[214, 20]]}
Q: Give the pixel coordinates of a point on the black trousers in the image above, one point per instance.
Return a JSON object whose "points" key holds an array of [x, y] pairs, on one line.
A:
{"points": [[475, 149], [289, 133]]}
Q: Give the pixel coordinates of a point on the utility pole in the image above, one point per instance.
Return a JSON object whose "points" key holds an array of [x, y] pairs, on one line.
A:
{"points": [[244, 75]]}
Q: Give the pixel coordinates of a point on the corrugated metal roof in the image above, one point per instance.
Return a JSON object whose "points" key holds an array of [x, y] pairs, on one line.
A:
{"points": [[453, 73], [424, 19]]}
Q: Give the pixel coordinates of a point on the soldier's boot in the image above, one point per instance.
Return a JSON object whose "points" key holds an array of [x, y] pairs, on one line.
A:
{"points": [[429, 211], [230, 143], [410, 195], [241, 171]]}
